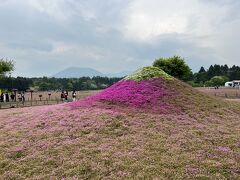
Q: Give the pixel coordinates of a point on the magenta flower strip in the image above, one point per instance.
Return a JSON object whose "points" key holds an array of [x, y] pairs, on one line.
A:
{"points": [[144, 95]]}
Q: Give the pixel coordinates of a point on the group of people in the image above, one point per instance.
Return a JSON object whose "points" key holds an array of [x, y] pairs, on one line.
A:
{"points": [[20, 96], [7, 97], [4, 97], [64, 96]]}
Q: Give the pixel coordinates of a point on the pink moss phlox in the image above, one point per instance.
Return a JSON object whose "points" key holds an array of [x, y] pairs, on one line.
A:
{"points": [[147, 94], [224, 149]]}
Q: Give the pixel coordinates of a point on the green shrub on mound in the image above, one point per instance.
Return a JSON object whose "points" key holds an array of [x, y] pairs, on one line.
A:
{"points": [[146, 73]]}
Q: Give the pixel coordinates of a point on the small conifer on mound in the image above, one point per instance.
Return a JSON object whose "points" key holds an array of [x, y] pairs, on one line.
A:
{"points": [[148, 89]]}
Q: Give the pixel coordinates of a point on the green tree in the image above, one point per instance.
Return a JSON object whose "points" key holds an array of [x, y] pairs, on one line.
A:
{"points": [[174, 66], [211, 72], [224, 69], [6, 66], [200, 77], [69, 86], [43, 86], [202, 70], [217, 81], [234, 73]]}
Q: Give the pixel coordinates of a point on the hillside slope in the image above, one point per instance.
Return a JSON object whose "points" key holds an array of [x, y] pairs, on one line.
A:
{"points": [[76, 72], [147, 126], [151, 90]]}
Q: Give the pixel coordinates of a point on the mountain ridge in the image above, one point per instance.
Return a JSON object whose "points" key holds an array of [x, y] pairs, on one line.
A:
{"points": [[76, 72]]}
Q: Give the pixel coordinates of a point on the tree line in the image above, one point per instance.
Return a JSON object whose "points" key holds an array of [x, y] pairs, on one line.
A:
{"points": [[51, 83], [215, 75]]}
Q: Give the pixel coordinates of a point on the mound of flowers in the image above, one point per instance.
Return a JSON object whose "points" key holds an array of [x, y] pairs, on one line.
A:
{"points": [[146, 89]]}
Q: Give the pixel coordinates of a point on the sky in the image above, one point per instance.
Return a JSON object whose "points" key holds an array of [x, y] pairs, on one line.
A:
{"points": [[44, 37]]}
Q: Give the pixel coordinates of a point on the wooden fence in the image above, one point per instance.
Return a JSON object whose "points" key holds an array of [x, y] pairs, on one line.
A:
{"points": [[45, 99], [18, 104]]}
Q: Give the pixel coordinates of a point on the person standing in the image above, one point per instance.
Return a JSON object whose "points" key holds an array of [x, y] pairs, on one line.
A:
{"points": [[4, 97], [7, 97], [66, 96], [74, 95], [23, 96], [62, 96], [19, 97], [12, 96], [1, 97]]}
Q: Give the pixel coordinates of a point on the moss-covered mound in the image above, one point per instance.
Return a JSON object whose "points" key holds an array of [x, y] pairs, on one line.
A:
{"points": [[147, 73], [151, 90]]}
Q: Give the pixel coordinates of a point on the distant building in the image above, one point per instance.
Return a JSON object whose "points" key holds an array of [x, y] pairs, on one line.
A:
{"points": [[234, 83]]}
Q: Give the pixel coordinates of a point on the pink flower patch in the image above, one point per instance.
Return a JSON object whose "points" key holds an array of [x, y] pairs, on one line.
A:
{"points": [[152, 95], [224, 149]]}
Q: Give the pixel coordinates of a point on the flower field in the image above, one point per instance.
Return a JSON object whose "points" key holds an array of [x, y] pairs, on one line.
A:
{"points": [[157, 127]]}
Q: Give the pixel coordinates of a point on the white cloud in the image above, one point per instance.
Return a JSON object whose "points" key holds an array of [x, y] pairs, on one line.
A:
{"points": [[117, 35], [148, 19]]}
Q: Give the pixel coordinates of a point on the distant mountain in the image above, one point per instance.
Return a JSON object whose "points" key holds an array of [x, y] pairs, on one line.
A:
{"points": [[75, 72], [120, 74]]}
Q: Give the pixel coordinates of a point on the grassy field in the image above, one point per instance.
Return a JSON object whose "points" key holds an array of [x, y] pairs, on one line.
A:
{"points": [[231, 93], [90, 143], [124, 133]]}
